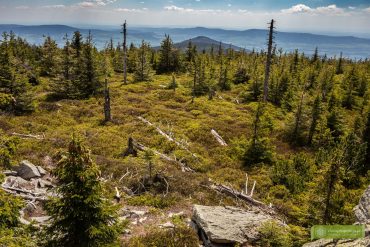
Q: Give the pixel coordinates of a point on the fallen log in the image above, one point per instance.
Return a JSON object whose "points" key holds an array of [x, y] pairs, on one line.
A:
{"points": [[38, 137], [169, 138], [218, 138], [141, 147]]}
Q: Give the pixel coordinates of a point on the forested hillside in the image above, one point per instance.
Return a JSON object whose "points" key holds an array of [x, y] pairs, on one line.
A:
{"points": [[178, 124]]}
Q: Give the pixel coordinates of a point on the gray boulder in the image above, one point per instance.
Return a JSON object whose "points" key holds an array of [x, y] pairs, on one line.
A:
{"points": [[228, 225], [27, 170], [362, 210]]}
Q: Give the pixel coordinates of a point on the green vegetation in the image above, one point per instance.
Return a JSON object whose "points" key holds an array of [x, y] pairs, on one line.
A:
{"points": [[80, 216], [307, 147]]}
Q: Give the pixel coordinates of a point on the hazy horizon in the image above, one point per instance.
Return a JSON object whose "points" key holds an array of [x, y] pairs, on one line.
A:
{"points": [[323, 16], [113, 27]]}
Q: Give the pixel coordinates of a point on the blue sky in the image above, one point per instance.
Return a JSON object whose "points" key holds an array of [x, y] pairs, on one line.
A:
{"points": [[337, 16]]}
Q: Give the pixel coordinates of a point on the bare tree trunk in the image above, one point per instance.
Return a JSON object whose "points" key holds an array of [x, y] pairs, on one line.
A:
{"points": [[268, 61], [124, 31], [107, 112]]}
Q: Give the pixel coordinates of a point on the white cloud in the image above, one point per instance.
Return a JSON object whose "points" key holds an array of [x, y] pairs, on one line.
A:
{"points": [[94, 3], [131, 10], [174, 8], [331, 9], [58, 6], [179, 9], [367, 10], [299, 8], [86, 4], [22, 7], [324, 10]]}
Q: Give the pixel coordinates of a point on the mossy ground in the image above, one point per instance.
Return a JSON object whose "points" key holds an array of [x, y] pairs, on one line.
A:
{"points": [[173, 112]]}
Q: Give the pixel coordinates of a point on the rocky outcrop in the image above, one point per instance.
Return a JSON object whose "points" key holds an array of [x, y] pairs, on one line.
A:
{"points": [[224, 226], [362, 213], [27, 170], [362, 210]]}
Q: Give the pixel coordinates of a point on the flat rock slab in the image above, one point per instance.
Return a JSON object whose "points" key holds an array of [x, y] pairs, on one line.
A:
{"points": [[229, 225]]}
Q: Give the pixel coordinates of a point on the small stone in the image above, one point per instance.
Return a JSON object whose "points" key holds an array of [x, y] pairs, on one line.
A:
{"points": [[167, 225], [179, 214], [141, 220]]}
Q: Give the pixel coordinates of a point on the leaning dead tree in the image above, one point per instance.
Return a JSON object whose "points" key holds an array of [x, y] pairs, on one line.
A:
{"points": [[124, 32], [107, 112], [268, 60]]}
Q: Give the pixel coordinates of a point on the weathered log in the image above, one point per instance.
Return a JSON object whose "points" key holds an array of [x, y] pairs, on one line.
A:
{"points": [[218, 138], [169, 138], [141, 147], [38, 137]]}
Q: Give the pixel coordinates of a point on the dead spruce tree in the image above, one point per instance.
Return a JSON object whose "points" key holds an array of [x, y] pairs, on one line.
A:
{"points": [[124, 31], [268, 60], [107, 112]]}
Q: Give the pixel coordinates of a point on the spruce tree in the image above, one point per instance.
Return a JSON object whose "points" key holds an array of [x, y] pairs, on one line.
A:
{"points": [[366, 139], [315, 115], [80, 216], [169, 58], [49, 59], [16, 94], [143, 70]]}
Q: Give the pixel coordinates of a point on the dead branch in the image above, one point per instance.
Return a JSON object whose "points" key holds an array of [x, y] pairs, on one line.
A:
{"points": [[218, 138], [231, 192]]}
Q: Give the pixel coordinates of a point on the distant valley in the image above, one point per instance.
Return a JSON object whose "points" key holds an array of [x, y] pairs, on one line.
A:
{"points": [[352, 47]]}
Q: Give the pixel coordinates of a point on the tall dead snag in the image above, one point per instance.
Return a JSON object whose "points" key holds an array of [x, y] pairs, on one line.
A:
{"points": [[124, 32], [107, 113], [268, 60]]}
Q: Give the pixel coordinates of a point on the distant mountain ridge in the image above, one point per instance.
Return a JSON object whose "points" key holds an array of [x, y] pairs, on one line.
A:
{"points": [[205, 43], [351, 46]]}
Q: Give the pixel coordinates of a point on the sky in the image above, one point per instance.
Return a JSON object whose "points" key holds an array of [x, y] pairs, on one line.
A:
{"points": [[320, 16]]}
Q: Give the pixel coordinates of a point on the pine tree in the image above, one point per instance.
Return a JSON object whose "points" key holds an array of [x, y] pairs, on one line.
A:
{"points": [[366, 139], [315, 115], [315, 55], [340, 66], [107, 111], [259, 149], [173, 84], [143, 70], [89, 83], [169, 58], [49, 60], [16, 94], [80, 216]]}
